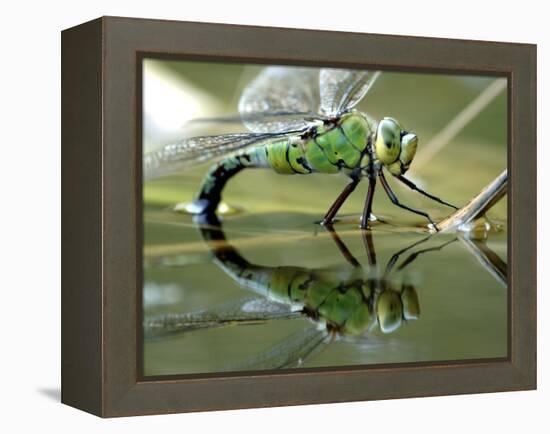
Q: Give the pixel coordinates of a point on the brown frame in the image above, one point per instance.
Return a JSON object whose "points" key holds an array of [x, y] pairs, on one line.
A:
{"points": [[101, 216]]}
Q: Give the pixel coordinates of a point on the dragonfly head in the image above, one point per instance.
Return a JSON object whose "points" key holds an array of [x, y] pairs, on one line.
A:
{"points": [[395, 148]]}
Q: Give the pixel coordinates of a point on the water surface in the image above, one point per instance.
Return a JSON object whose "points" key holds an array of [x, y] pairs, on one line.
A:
{"points": [[463, 307]]}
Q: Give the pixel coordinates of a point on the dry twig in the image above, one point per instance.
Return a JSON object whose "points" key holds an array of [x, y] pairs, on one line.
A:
{"points": [[478, 206]]}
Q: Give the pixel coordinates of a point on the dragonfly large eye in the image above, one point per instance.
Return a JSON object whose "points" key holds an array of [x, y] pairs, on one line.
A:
{"points": [[389, 311], [411, 305], [409, 143], [388, 141]]}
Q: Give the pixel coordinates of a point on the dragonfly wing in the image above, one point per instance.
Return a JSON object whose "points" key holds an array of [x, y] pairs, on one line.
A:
{"points": [[342, 89], [248, 310], [292, 352], [195, 150], [280, 98], [287, 120]]}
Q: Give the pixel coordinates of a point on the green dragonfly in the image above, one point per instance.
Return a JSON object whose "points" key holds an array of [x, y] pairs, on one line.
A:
{"points": [[347, 303], [301, 121]]}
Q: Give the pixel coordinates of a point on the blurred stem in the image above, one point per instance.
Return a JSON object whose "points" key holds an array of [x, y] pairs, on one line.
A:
{"points": [[459, 122]]}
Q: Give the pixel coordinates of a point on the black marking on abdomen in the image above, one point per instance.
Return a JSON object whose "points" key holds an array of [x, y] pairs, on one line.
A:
{"points": [[287, 157], [216, 178], [302, 162]]}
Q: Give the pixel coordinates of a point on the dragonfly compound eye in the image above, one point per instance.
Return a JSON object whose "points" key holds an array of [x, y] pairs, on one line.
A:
{"points": [[409, 143], [389, 311], [411, 305], [388, 141]]}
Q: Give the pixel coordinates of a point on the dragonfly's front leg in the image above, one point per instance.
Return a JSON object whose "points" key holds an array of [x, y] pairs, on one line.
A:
{"points": [[395, 201], [368, 203], [331, 213], [391, 263], [413, 186]]}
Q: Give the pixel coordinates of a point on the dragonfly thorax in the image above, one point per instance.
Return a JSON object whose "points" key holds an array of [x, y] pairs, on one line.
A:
{"points": [[338, 144], [394, 147]]}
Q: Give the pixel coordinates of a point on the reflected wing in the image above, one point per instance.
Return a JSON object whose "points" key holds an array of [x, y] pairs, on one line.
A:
{"points": [[290, 353], [248, 310], [280, 98], [195, 150], [342, 89]]}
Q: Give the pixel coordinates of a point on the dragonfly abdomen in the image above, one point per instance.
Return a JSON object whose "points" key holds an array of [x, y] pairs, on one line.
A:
{"points": [[214, 181], [288, 156]]}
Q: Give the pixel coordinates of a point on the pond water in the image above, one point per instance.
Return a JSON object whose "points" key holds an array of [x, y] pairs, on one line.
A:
{"points": [[463, 308]]}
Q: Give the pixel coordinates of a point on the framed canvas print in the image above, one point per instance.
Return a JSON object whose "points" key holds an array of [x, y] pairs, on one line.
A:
{"points": [[260, 216]]}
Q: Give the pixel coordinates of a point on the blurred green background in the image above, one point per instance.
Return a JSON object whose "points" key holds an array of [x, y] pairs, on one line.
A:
{"points": [[464, 309]]}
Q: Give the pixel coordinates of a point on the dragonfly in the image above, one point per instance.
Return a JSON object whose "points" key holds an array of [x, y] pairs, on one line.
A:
{"points": [[301, 121], [342, 304]]}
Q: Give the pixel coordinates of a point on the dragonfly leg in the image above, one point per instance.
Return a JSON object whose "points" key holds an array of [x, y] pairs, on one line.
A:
{"points": [[395, 257], [369, 246], [414, 255], [342, 247], [367, 210], [395, 201], [331, 213], [413, 186]]}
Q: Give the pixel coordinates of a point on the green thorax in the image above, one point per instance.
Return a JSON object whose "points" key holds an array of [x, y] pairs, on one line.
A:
{"points": [[327, 148]]}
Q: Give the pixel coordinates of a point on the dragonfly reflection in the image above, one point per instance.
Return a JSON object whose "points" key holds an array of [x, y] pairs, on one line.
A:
{"points": [[347, 303]]}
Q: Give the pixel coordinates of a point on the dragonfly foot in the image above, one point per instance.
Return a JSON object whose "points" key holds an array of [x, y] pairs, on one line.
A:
{"points": [[207, 218], [366, 225], [203, 206], [432, 227], [199, 206]]}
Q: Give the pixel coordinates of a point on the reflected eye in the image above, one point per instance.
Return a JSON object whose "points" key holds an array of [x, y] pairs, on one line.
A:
{"points": [[389, 311], [388, 141], [411, 305]]}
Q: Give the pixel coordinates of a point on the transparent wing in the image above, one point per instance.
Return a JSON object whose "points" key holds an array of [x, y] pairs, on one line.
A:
{"points": [[248, 310], [289, 353], [287, 120], [195, 150], [281, 98], [342, 89]]}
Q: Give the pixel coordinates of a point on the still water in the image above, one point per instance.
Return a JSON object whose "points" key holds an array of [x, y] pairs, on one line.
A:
{"points": [[462, 307]]}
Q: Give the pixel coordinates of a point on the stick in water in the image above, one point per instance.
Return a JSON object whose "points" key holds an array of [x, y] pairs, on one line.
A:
{"points": [[478, 206]]}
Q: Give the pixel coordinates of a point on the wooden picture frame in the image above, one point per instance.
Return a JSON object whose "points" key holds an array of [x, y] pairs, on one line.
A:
{"points": [[101, 216]]}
